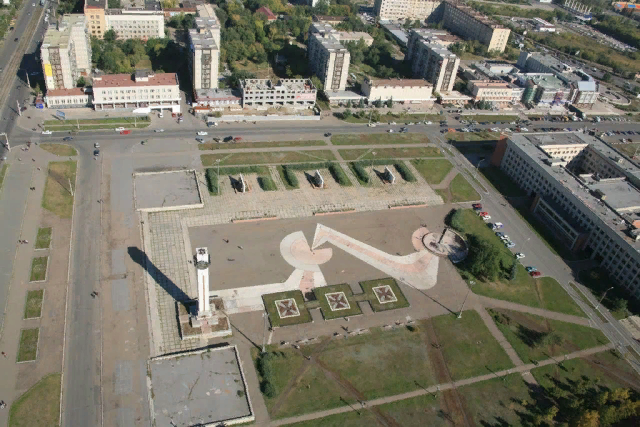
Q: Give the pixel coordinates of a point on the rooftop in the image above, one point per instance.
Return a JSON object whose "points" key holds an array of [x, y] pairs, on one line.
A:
{"points": [[270, 15], [546, 80], [217, 94], [57, 36], [468, 10], [140, 78], [317, 18], [400, 82], [354, 35], [76, 91], [289, 85], [95, 4], [327, 36]]}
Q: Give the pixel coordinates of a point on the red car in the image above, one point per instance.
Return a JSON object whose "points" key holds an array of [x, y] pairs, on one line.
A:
{"points": [[535, 274], [125, 132], [477, 206], [483, 213]]}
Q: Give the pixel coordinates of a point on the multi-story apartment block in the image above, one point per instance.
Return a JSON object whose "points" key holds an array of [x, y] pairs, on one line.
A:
{"points": [[586, 192], [394, 10], [297, 93], [432, 61], [130, 23], [328, 58], [205, 49], [94, 11], [143, 89], [466, 22], [398, 90], [65, 53]]}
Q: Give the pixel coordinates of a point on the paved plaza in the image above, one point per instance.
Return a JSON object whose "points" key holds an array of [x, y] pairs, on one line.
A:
{"points": [[167, 190]]}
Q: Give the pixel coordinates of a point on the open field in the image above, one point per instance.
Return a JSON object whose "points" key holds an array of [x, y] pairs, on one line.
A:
{"points": [[389, 153], [38, 269], [28, 349], [43, 238], [33, 304], [379, 138], [460, 191], [60, 149], [433, 171], [536, 338], [58, 189], [468, 347], [39, 406], [260, 144], [275, 157]]}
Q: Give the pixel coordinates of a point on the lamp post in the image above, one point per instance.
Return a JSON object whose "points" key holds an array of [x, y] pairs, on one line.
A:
{"points": [[7, 141], [601, 299], [471, 283]]}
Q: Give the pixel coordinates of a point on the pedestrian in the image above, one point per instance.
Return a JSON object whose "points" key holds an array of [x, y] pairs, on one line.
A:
{"points": [[26, 242], [4, 354], [226, 240], [240, 247]]}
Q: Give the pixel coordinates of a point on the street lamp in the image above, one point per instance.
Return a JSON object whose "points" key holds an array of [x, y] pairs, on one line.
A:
{"points": [[601, 299], [373, 153], [471, 283]]}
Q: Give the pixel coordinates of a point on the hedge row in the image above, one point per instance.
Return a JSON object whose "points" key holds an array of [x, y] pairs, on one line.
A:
{"points": [[237, 170], [289, 176], [266, 183], [360, 172], [212, 180], [404, 172], [338, 174], [266, 372]]}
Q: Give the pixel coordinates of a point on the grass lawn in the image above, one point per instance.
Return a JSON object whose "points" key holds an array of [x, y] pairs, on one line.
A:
{"points": [[38, 269], [538, 338], [462, 191], [501, 181], [389, 153], [260, 144], [39, 406], [320, 294], [144, 64], [3, 173], [60, 149], [274, 316], [504, 405], [433, 170], [368, 286], [382, 363], [33, 304], [43, 239], [628, 149], [468, 347], [598, 281], [425, 410], [28, 349], [472, 136], [275, 157], [57, 197], [379, 138], [284, 180], [345, 419]]}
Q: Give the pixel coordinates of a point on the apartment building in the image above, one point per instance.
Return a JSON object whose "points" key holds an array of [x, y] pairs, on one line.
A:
{"points": [[328, 58], [297, 93], [496, 91], [586, 192], [398, 90], [422, 10], [129, 23], [471, 25], [94, 11], [205, 49], [432, 61], [65, 53], [144, 90]]}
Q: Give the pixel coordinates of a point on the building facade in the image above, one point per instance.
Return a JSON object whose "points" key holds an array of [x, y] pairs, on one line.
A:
{"points": [[68, 98], [397, 90], [144, 90], [496, 91], [432, 61], [297, 93], [585, 192], [205, 49], [94, 11], [328, 58], [471, 25], [135, 24], [422, 10]]}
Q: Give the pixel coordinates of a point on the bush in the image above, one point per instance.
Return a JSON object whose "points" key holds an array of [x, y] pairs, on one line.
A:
{"points": [[455, 220], [404, 172], [338, 174], [360, 172], [268, 389], [290, 176], [212, 180], [266, 183]]}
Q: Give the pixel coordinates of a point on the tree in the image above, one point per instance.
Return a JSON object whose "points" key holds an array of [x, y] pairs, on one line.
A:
{"points": [[81, 82], [484, 258], [606, 77], [168, 4], [115, 4], [110, 36], [317, 82], [375, 116], [346, 114], [37, 90], [236, 76]]}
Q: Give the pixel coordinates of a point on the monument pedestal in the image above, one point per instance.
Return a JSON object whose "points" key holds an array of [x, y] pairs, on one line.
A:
{"points": [[215, 325]]}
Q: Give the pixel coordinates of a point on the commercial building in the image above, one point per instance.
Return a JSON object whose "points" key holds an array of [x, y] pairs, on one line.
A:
{"points": [[422, 10], [130, 23], [543, 89], [144, 90], [585, 192], [397, 90], [206, 100], [355, 36], [68, 98], [543, 26], [297, 93], [65, 53], [328, 58], [471, 25], [431, 61], [496, 91], [94, 11], [205, 49]]}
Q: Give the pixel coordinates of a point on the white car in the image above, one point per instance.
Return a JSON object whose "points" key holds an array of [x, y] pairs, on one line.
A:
{"points": [[159, 130], [428, 123], [504, 237], [486, 217], [519, 255], [390, 131], [96, 145], [392, 123], [46, 132], [203, 133], [119, 129], [371, 125]]}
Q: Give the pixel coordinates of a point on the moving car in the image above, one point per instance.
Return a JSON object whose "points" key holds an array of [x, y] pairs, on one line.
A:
{"points": [[159, 130], [67, 138], [96, 145], [531, 269], [120, 129], [328, 134], [46, 132], [202, 133], [96, 153], [390, 131], [535, 274], [200, 140], [519, 255], [125, 132]]}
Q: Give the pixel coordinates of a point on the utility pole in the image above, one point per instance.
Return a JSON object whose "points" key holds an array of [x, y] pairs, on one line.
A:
{"points": [[464, 301], [7, 141], [373, 158], [27, 74], [370, 116], [264, 333], [19, 112], [602, 299]]}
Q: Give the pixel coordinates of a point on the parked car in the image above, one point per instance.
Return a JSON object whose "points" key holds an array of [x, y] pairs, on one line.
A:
{"points": [[203, 133], [531, 269], [96, 153], [499, 234], [486, 217], [505, 237], [497, 225], [328, 134], [120, 129], [519, 255], [67, 138], [159, 130], [535, 274], [509, 244], [483, 213], [477, 206], [390, 130], [46, 132], [200, 139]]}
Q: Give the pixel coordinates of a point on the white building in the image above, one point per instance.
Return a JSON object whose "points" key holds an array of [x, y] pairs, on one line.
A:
{"points": [[397, 90], [432, 61], [135, 23], [328, 58], [68, 98], [544, 26], [143, 90], [394, 10], [355, 36], [205, 49], [297, 93]]}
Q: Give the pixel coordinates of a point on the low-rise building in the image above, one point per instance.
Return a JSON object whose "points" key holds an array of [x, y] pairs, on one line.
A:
{"points": [[331, 20], [397, 90], [68, 98], [144, 90], [544, 26], [432, 61], [466, 22], [296, 93], [355, 36], [207, 100], [496, 91], [393, 10], [267, 13], [328, 58], [204, 55]]}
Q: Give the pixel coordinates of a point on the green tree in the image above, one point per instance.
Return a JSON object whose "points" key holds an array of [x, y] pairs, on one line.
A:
{"points": [[110, 36], [606, 77], [484, 258], [115, 4], [317, 82], [81, 82], [346, 114], [375, 116]]}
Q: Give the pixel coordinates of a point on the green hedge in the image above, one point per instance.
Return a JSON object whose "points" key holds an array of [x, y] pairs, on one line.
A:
{"points": [[237, 170], [404, 172], [360, 172], [266, 183], [212, 180], [309, 166], [338, 174], [289, 176]]}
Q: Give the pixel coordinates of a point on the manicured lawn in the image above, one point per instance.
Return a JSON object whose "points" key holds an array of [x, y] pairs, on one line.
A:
{"points": [[472, 136], [382, 363], [501, 182], [275, 157], [462, 191], [43, 239], [28, 349], [345, 419], [555, 298], [379, 138], [503, 406], [260, 144], [3, 173], [538, 338], [368, 286], [58, 188], [39, 406], [490, 118], [433, 170], [60, 149], [274, 316], [38, 269], [320, 294], [424, 410], [468, 347], [33, 304], [389, 153]]}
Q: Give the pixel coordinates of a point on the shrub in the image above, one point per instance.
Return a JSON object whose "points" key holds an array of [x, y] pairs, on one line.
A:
{"points": [[404, 172], [212, 180], [268, 389], [338, 174], [360, 172], [290, 176], [266, 183], [455, 220]]}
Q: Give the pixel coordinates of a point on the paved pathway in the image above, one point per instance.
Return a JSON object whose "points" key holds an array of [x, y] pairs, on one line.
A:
{"points": [[436, 388], [492, 302]]}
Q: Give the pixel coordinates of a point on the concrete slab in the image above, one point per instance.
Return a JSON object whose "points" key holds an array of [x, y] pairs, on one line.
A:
{"points": [[166, 190], [123, 381], [120, 295], [118, 266]]}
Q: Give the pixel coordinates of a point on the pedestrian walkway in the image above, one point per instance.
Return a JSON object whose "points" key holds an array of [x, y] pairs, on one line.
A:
{"points": [[496, 303]]}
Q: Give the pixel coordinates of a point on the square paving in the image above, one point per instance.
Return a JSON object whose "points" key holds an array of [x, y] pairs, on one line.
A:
{"points": [[157, 190]]}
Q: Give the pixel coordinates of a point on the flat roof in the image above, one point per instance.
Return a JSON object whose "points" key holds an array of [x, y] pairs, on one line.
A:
{"points": [[95, 4], [217, 94], [76, 91], [400, 82], [127, 80]]}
